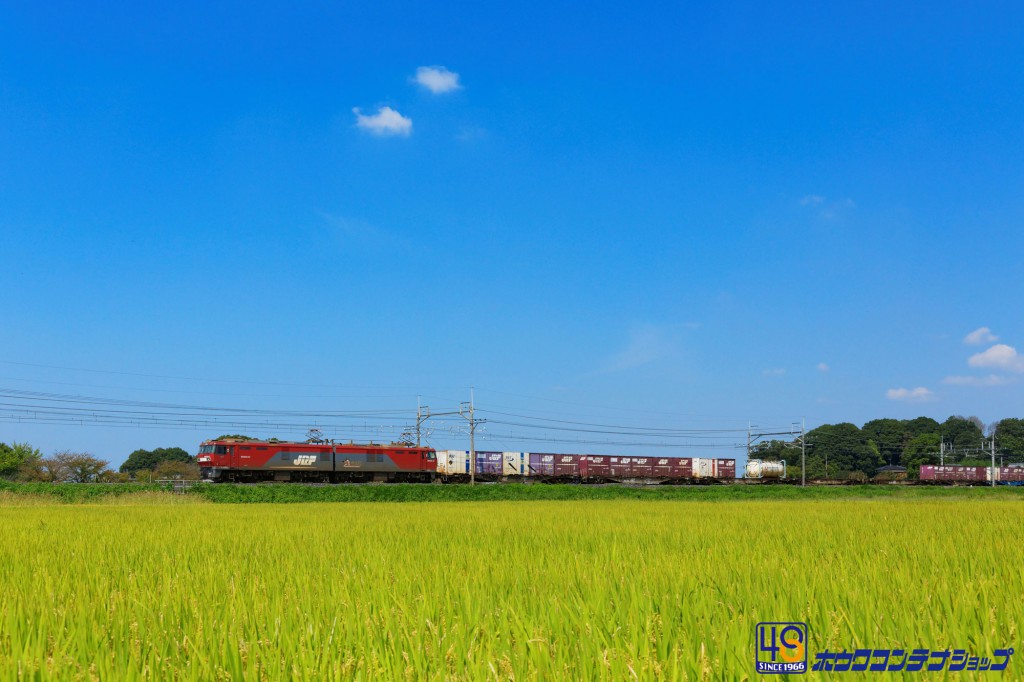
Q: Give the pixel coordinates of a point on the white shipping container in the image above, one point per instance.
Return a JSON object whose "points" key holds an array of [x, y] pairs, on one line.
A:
{"points": [[704, 467], [514, 463], [452, 462]]}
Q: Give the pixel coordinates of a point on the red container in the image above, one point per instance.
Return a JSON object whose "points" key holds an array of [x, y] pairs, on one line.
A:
{"points": [[567, 466], [682, 467], [931, 472], [618, 467], [641, 467], [594, 466], [1011, 473], [725, 469], [662, 467]]}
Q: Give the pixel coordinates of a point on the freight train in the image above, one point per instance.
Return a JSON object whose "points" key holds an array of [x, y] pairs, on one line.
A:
{"points": [[252, 461]]}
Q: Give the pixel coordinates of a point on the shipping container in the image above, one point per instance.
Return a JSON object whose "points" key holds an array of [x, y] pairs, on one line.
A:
{"points": [[515, 463], [682, 468], [453, 462], [725, 469], [490, 464], [1011, 474], [594, 467], [932, 472]]}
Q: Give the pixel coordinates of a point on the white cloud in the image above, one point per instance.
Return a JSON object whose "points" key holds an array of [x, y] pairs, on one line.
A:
{"points": [[647, 343], [990, 380], [827, 209], [774, 372], [437, 79], [914, 395], [979, 336], [999, 356], [385, 123], [822, 367]]}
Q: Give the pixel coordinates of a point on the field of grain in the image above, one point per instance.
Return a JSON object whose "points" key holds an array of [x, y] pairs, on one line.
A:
{"points": [[536, 590]]}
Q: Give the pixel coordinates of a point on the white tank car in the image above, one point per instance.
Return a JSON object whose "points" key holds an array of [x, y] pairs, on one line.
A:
{"points": [[759, 468]]}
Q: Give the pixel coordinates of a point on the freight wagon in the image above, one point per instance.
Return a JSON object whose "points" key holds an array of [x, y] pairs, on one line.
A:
{"points": [[453, 466], [253, 461], [1011, 475]]}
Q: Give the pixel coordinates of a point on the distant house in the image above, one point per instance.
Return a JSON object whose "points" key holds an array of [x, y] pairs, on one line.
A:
{"points": [[890, 472]]}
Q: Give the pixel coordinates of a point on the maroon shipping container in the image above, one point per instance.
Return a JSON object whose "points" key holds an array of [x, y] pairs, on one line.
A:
{"points": [[662, 467], [641, 467], [726, 469], [931, 472], [682, 467], [594, 466], [618, 467], [567, 466], [1011, 473]]}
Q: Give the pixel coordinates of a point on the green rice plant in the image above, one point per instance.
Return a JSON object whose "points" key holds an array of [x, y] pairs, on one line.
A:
{"points": [[527, 590]]}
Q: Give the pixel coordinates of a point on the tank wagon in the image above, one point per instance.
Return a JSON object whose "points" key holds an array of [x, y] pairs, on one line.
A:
{"points": [[765, 470], [453, 466], [253, 461]]}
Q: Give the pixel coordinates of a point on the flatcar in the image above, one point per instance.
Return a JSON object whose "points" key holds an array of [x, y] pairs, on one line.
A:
{"points": [[255, 461]]}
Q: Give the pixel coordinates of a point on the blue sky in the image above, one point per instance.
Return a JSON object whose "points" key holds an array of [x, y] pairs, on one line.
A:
{"points": [[671, 216]]}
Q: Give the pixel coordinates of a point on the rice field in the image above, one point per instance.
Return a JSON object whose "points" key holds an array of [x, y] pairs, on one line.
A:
{"points": [[537, 590]]}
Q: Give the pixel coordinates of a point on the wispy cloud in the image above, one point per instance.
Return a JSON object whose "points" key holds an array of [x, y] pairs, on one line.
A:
{"points": [[979, 336], [910, 395], [990, 380], [348, 232], [774, 372], [437, 79], [646, 344], [826, 208], [822, 367], [999, 356], [385, 123]]}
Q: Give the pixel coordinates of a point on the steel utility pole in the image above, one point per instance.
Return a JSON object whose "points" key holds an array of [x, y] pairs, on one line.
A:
{"points": [[422, 415], [803, 451], [472, 435], [992, 449], [468, 412]]}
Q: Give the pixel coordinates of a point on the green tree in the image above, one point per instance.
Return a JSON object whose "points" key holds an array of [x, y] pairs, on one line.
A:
{"points": [[922, 449], [180, 470], [844, 447], [1010, 438], [890, 435], [79, 467], [920, 425], [150, 459], [14, 456], [963, 433]]}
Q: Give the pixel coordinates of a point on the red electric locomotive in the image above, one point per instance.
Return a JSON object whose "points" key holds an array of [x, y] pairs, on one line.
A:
{"points": [[255, 460]]}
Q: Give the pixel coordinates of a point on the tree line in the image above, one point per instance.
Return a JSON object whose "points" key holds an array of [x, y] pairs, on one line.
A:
{"points": [[22, 462], [842, 450]]}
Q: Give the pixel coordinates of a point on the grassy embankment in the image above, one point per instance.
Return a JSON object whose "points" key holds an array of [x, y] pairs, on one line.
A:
{"points": [[291, 493]]}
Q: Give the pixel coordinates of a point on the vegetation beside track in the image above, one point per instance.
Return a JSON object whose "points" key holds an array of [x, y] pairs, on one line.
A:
{"points": [[296, 493]]}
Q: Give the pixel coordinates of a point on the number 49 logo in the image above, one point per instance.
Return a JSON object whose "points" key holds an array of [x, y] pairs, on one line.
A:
{"points": [[781, 648]]}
